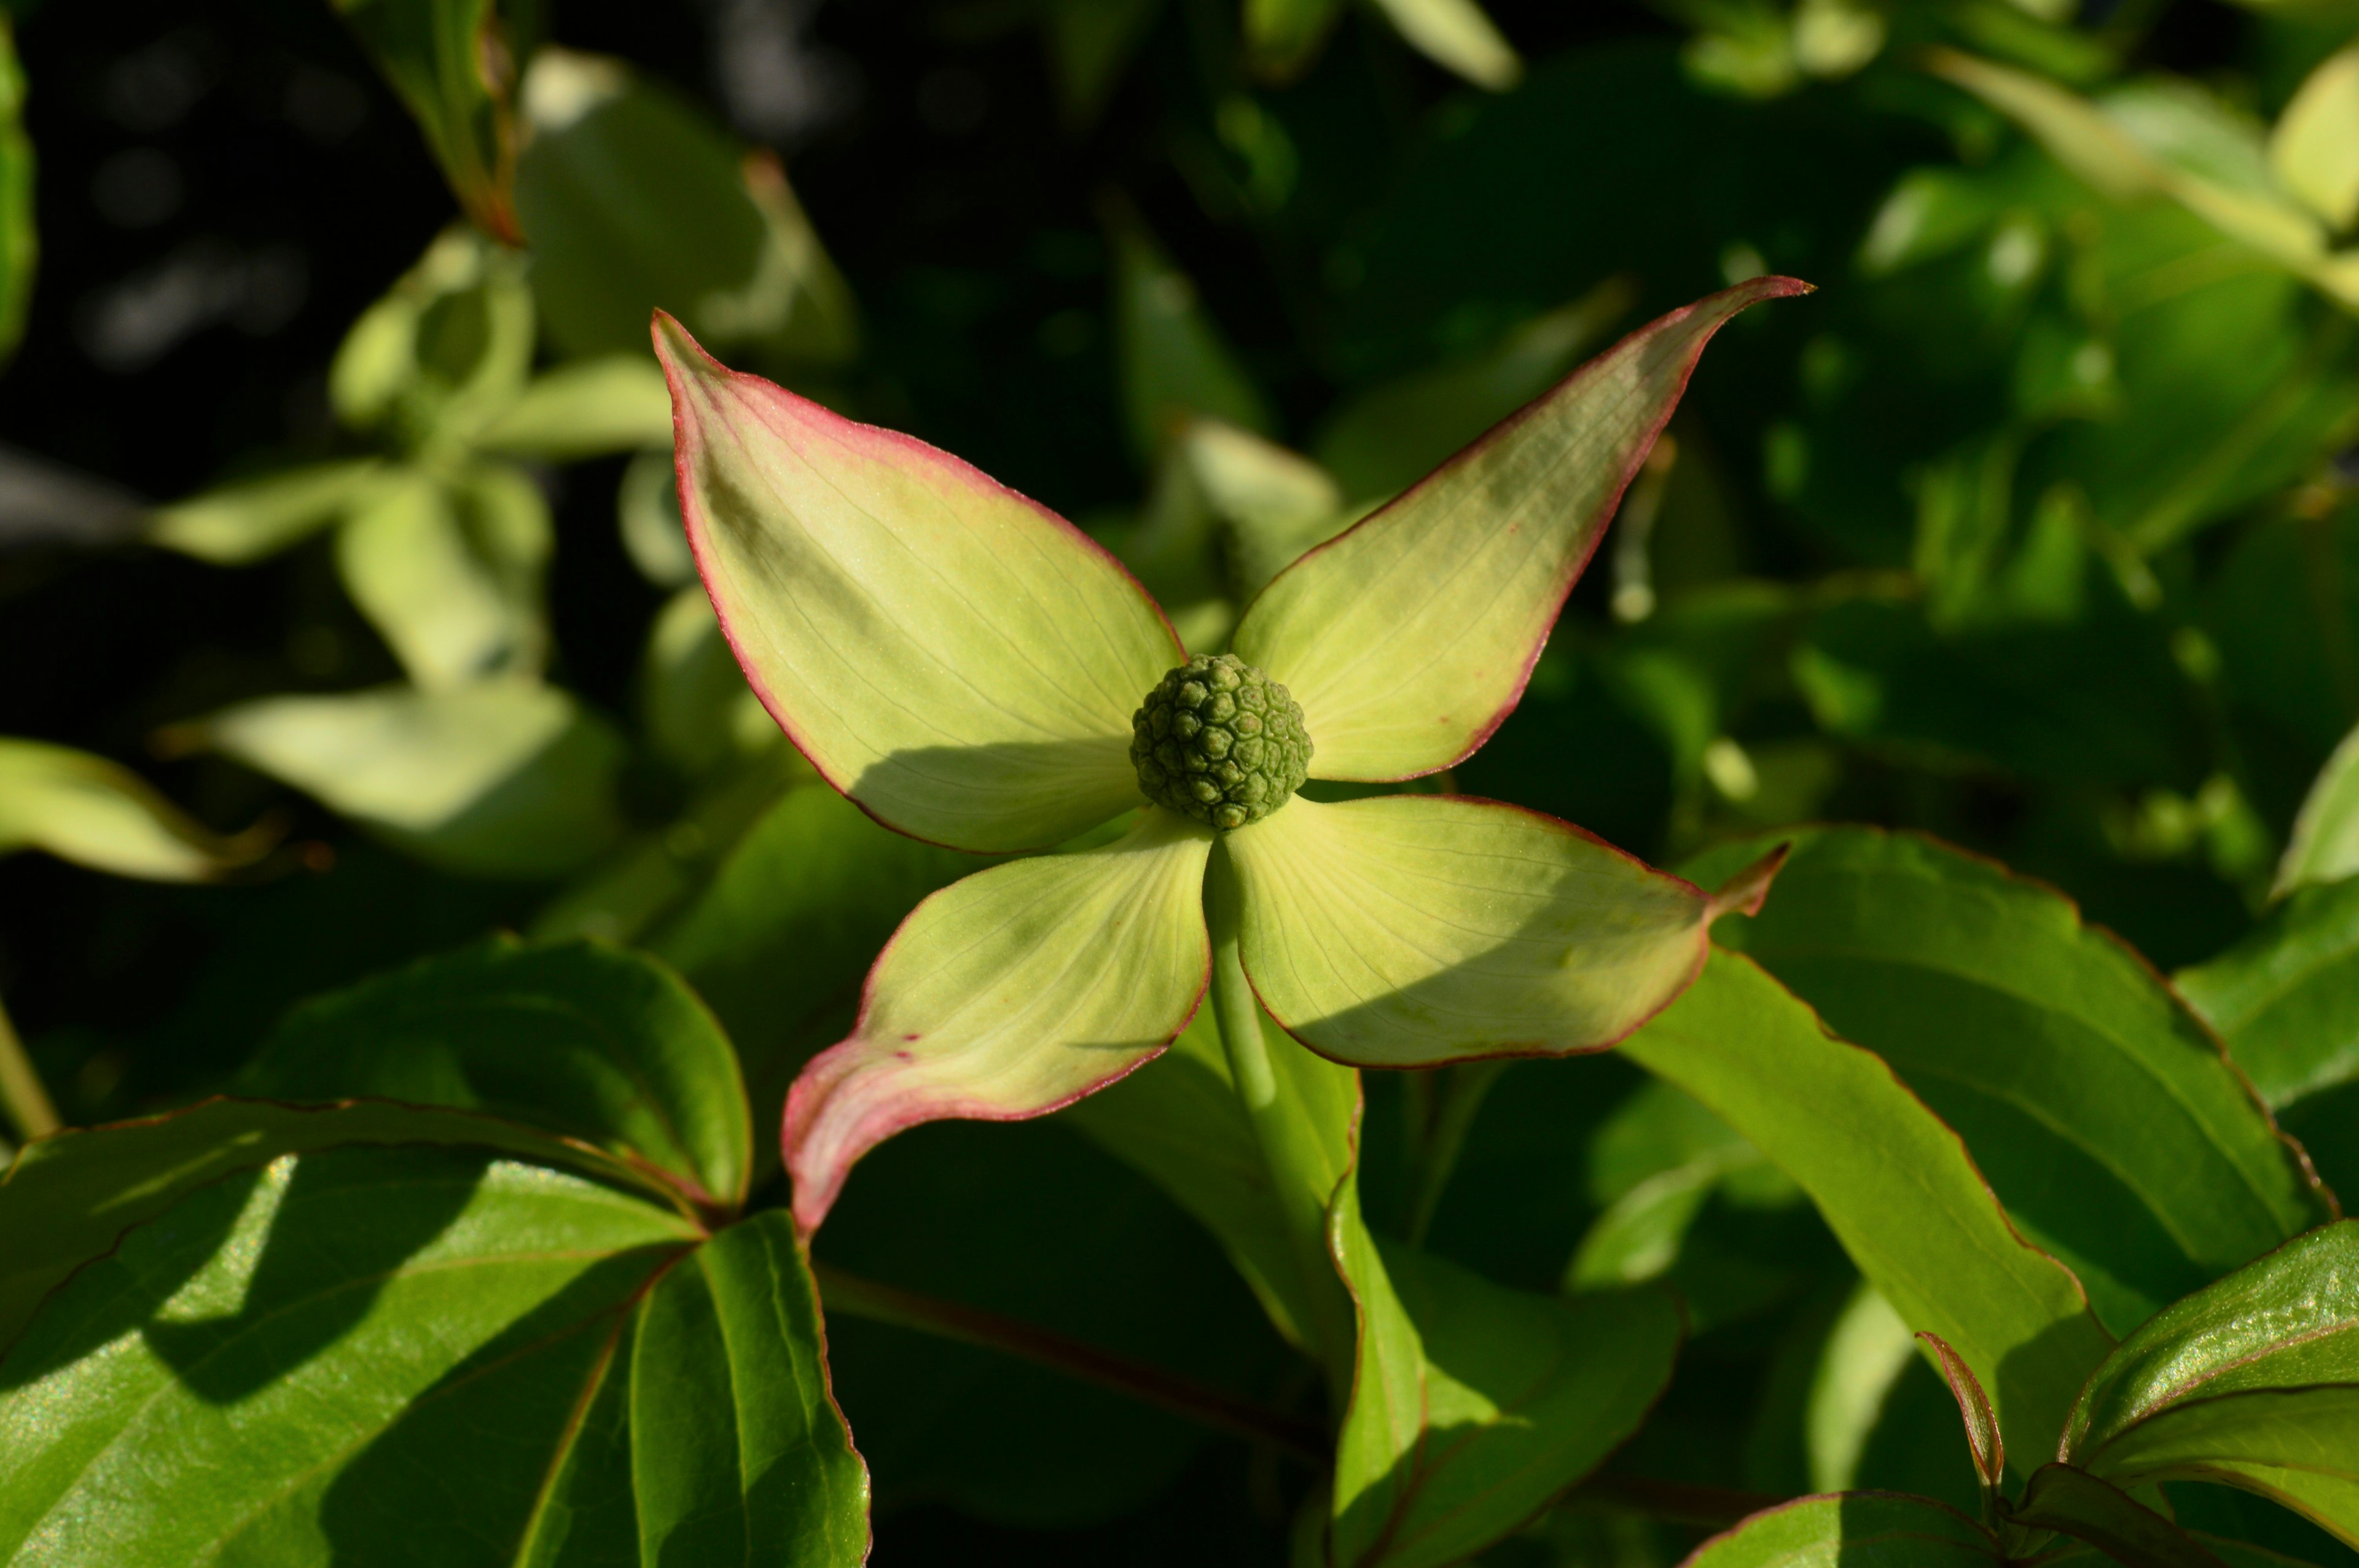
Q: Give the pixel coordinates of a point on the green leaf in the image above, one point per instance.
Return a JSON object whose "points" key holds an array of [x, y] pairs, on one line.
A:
{"points": [[1938, 1247], [594, 1043], [1090, 44], [1402, 931], [1868, 1351], [614, 402], [447, 59], [1983, 1438], [2286, 997], [2295, 1446], [1175, 365], [2325, 843], [960, 661], [635, 201], [2103, 1111], [1474, 1405], [1869, 1530], [1457, 35], [1407, 640], [1284, 35], [1386, 439], [449, 571], [20, 239], [250, 519], [737, 1451], [1178, 1121], [2077, 1503], [694, 705], [94, 813], [2314, 150], [1014, 991], [67, 1198], [507, 778], [445, 350], [2287, 1320]]}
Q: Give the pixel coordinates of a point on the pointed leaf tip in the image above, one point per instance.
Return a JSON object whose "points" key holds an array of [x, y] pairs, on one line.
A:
{"points": [[1983, 1437], [960, 661], [1745, 892]]}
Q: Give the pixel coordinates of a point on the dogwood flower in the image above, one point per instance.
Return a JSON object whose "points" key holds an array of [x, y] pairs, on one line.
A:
{"points": [[972, 670]]}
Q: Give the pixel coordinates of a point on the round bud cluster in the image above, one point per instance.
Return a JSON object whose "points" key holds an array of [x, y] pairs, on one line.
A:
{"points": [[1220, 741]]}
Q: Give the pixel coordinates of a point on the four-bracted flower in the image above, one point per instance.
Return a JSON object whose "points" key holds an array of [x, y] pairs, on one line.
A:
{"points": [[972, 670]]}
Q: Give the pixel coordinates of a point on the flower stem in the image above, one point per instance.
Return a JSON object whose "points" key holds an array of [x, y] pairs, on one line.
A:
{"points": [[1303, 1171], [856, 1297], [22, 1097]]}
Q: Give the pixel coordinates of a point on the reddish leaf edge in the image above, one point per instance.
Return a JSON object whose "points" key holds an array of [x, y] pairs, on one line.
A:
{"points": [[1983, 1439], [694, 526], [1792, 1503], [1771, 287]]}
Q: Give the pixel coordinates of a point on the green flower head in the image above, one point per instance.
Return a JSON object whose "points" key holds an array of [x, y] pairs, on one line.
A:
{"points": [[972, 670]]}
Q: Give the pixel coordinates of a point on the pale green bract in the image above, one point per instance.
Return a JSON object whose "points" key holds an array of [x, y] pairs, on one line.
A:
{"points": [[966, 666]]}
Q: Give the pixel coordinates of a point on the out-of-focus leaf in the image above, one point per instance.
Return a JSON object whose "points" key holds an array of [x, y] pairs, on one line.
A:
{"points": [[68, 1199], [450, 572], [1835, 1118], [1176, 364], [2286, 998], [1866, 1351], [248, 519], [1179, 1120], [19, 241], [1867, 1528], [1457, 35], [2314, 149], [635, 202], [1090, 44], [97, 813], [2325, 843], [1473, 1405], [1284, 35], [445, 351], [453, 64], [2149, 1166], [2253, 1381], [646, 509], [1392, 435], [693, 700], [507, 778], [594, 1043], [2078, 1504], [779, 941], [738, 1450], [615, 403]]}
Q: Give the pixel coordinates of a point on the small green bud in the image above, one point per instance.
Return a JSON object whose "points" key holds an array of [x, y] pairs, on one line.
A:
{"points": [[1220, 741]]}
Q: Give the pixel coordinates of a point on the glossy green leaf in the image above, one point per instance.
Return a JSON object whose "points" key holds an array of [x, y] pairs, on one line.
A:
{"points": [[615, 403], [250, 519], [505, 778], [1177, 1120], [1983, 1438], [67, 1199], [1387, 437], [2100, 1109], [1402, 931], [961, 661], [2286, 998], [448, 60], [737, 1451], [2325, 843], [1006, 995], [1856, 1530], [1176, 364], [1939, 1247], [1409, 638], [450, 572], [634, 201], [2289, 1320], [19, 241], [1457, 35], [2077, 1503], [594, 1042], [2314, 150], [98, 814], [1473, 1405], [2298, 1447]]}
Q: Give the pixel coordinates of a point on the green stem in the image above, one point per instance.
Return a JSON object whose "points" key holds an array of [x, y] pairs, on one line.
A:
{"points": [[1463, 1090], [1302, 1181], [856, 1297], [22, 1097]]}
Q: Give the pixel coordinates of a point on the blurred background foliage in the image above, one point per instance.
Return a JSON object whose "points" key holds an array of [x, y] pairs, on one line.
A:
{"points": [[339, 569]]}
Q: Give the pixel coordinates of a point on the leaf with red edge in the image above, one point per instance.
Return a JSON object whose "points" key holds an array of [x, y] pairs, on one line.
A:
{"points": [[1983, 1439], [1407, 639]]}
